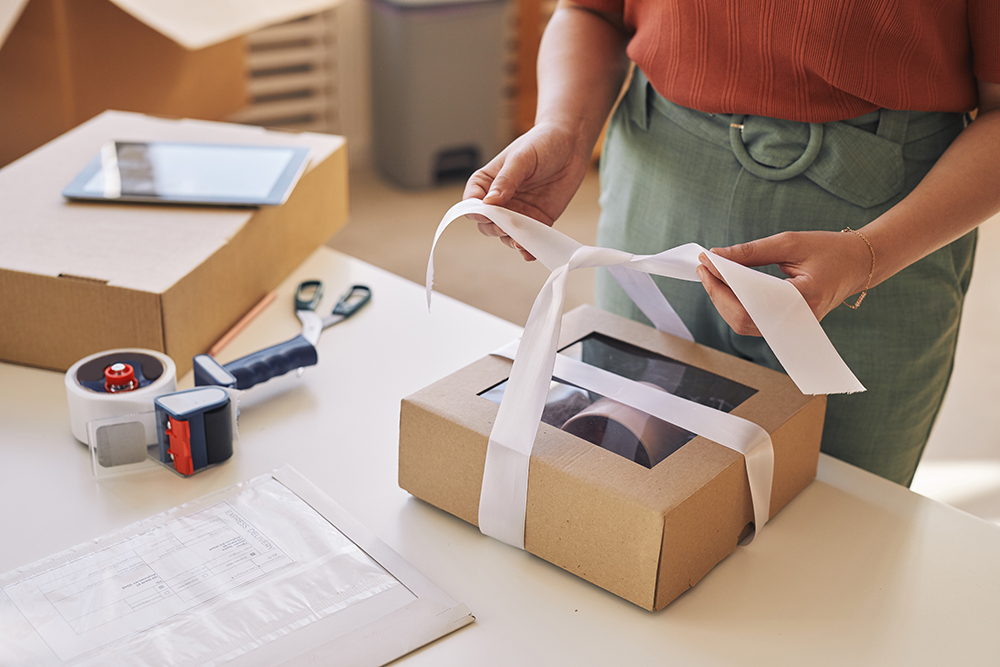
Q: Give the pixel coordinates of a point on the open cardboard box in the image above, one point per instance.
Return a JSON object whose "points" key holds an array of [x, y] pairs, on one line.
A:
{"points": [[79, 278], [64, 61], [645, 534]]}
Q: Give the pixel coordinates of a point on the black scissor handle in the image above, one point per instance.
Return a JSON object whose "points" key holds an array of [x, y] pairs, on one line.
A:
{"points": [[308, 294], [352, 300]]}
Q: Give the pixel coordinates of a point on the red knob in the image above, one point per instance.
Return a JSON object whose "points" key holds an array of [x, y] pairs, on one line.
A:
{"points": [[119, 377]]}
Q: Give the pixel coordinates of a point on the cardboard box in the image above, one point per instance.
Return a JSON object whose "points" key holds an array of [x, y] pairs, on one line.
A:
{"points": [[645, 534], [64, 61], [79, 278]]}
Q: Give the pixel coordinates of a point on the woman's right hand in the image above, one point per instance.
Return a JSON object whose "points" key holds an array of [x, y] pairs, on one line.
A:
{"points": [[581, 66], [536, 175]]}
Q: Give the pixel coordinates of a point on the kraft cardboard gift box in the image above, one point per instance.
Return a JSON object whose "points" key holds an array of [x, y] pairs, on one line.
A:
{"points": [[80, 278], [646, 534]]}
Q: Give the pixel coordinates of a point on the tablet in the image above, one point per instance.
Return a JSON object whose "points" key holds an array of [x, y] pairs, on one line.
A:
{"points": [[187, 173]]}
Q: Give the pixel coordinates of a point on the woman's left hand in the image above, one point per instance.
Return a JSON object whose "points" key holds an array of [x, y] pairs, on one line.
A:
{"points": [[826, 268]]}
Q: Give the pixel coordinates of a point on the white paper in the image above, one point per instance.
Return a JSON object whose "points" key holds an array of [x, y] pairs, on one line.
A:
{"points": [[780, 312]]}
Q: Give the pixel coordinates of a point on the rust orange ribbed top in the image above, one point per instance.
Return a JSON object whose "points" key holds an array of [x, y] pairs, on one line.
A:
{"points": [[814, 60]]}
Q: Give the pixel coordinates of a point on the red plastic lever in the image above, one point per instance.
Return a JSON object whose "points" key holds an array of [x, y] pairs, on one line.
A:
{"points": [[179, 433]]}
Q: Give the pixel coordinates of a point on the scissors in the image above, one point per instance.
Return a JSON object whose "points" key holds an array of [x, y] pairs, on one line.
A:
{"points": [[307, 297], [295, 353]]}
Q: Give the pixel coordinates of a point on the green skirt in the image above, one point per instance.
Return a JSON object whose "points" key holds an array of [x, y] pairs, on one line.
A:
{"points": [[671, 175]]}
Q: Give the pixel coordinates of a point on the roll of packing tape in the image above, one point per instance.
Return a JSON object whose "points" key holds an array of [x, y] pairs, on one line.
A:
{"points": [[86, 396]]}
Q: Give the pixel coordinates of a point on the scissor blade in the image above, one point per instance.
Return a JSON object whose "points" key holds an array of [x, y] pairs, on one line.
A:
{"points": [[312, 325], [330, 320]]}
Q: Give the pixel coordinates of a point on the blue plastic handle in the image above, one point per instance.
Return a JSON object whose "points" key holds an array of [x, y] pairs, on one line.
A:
{"points": [[272, 362]]}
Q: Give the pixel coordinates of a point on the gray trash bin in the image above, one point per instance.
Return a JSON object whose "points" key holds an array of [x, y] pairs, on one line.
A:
{"points": [[437, 88]]}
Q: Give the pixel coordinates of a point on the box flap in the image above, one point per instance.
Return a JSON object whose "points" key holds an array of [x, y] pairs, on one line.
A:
{"points": [[141, 247], [10, 11], [195, 24]]}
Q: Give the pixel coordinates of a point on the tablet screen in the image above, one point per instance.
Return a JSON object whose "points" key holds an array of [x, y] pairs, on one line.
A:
{"points": [[190, 173]]}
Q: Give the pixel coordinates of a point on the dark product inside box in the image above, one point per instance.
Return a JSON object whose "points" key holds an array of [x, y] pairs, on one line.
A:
{"points": [[617, 427]]}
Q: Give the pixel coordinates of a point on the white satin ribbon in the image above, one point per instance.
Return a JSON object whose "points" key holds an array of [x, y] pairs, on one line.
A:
{"points": [[776, 307]]}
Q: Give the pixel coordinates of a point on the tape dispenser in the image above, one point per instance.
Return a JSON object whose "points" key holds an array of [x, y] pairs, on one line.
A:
{"points": [[125, 406]]}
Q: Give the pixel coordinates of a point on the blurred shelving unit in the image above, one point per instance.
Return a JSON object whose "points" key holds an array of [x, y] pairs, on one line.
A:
{"points": [[293, 75], [313, 74]]}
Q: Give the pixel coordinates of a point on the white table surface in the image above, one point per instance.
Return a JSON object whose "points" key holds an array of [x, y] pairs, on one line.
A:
{"points": [[856, 570]]}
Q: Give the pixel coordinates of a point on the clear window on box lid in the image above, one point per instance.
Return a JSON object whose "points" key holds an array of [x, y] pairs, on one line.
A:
{"points": [[621, 429]]}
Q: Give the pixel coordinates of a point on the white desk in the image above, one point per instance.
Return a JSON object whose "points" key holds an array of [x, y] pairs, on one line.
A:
{"points": [[855, 570]]}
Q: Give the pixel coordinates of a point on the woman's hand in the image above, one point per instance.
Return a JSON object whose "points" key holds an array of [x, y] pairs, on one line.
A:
{"points": [[956, 195], [826, 268], [536, 175], [581, 67]]}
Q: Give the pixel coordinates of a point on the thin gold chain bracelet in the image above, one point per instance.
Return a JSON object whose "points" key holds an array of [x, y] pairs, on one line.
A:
{"points": [[864, 292]]}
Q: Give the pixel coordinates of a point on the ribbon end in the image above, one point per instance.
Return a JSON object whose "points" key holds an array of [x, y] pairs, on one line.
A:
{"points": [[848, 385], [429, 283]]}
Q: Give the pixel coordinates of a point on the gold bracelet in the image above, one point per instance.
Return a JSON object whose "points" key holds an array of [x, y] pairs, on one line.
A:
{"points": [[864, 292]]}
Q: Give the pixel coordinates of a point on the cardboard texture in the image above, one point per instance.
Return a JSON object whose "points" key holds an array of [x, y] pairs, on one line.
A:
{"points": [[79, 278], [64, 61], [646, 535]]}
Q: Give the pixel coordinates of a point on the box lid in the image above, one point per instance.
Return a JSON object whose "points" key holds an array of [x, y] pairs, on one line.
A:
{"points": [[195, 24], [141, 247]]}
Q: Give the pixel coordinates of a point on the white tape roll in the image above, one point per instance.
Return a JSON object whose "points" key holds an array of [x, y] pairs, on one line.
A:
{"points": [[87, 404]]}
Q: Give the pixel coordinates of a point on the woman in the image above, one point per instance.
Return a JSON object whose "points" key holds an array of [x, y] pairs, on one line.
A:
{"points": [[827, 142]]}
